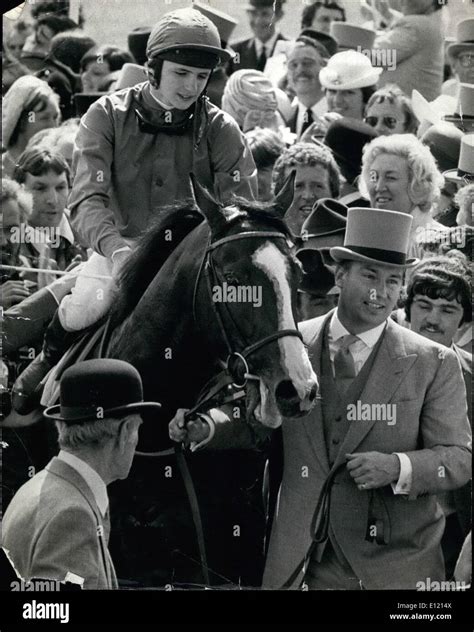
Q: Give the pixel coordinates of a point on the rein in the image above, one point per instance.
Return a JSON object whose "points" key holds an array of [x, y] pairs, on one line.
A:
{"points": [[235, 370]]}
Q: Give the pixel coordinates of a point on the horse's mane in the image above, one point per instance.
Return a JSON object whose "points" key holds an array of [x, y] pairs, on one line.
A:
{"points": [[153, 249], [151, 253]]}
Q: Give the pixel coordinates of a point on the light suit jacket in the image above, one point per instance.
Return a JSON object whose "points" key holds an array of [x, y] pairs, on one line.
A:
{"points": [[424, 380], [53, 526]]}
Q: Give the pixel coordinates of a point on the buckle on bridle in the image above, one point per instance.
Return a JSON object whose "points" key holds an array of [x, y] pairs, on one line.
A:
{"points": [[238, 372]]}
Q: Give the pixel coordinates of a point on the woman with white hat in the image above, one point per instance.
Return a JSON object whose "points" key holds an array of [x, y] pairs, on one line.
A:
{"points": [[29, 106], [349, 80]]}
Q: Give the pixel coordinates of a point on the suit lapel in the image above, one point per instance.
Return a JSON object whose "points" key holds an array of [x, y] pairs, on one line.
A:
{"points": [[293, 119], [313, 422], [388, 371]]}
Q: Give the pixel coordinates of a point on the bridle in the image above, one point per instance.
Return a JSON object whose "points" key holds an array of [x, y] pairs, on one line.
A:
{"points": [[235, 369]]}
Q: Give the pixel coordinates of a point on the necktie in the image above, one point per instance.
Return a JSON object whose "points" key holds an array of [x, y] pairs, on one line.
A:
{"points": [[307, 120], [344, 366], [262, 60]]}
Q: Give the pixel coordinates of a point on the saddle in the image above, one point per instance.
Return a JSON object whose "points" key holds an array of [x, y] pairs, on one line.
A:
{"points": [[39, 382]]}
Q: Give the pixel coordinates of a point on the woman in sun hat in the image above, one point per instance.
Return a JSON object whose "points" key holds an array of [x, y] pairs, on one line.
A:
{"points": [[29, 106], [349, 80]]}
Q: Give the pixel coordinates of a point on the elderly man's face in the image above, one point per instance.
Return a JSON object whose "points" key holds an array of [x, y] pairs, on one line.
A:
{"points": [[324, 17], [463, 66], [436, 318], [311, 184], [304, 64], [388, 184]]}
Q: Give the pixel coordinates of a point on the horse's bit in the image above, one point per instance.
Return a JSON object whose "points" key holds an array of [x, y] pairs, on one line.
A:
{"points": [[235, 368]]}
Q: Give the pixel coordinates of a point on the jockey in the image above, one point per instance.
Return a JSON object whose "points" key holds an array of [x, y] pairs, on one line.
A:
{"points": [[134, 152]]}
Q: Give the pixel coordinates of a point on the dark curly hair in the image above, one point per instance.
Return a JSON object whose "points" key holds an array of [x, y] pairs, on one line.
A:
{"points": [[447, 276]]}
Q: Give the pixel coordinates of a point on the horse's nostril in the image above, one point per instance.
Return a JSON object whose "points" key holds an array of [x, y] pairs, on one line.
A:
{"points": [[313, 392], [286, 391]]}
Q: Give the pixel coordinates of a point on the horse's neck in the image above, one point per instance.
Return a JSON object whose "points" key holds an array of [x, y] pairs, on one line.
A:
{"points": [[160, 337]]}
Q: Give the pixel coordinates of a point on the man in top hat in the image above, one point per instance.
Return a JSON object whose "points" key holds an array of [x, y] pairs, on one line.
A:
{"points": [[57, 525], [464, 174], [461, 57], [389, 433], [253, 52], [463, 116]]}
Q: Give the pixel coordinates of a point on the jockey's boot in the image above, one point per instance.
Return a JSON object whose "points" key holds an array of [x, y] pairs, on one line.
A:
{"points": [[26, 392]]}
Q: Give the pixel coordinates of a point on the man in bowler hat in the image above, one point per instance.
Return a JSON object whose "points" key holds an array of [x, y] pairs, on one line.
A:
{"points": [[57, 525]]}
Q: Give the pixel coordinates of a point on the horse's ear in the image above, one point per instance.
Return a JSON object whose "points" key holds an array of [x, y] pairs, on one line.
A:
{"points": [[284, 198], [208, 205]]}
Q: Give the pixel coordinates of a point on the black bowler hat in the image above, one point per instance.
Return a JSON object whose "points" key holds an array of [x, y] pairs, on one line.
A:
{"points": [[137, 43], [329, 43], [83, 101], [346, 138], [97, 389], [318, 278]]}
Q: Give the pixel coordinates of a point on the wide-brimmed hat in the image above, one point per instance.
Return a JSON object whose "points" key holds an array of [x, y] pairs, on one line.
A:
{"points": [[464, 38], [137, 43], [97, 389], [185, 29], [130, 75], [325, 226], [444, 141], [346, 138], [433, 111], [83, 101], [225, 23], [463, 116], [377, 236], [349, 70], [351, 36], [326, 40], [20, 95], [263, 4], [318, 278], [464, 174]]}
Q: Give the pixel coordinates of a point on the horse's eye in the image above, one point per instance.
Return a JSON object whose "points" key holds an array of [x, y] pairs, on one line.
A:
{"points": [[231, 278]]}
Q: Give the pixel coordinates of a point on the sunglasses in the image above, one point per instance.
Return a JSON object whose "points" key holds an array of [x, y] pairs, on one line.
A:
{"points": [[466, 59], [389, 121]]}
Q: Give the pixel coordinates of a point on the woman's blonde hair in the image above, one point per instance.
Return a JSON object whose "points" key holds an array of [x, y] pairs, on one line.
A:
{"points": [[425, 180]]}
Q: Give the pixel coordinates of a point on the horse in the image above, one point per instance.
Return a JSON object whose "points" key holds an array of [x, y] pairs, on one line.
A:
{"points": [[171, 322]]}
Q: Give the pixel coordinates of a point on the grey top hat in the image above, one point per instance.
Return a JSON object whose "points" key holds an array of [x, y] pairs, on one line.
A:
{"points": [[464, 174], [377, 236]]}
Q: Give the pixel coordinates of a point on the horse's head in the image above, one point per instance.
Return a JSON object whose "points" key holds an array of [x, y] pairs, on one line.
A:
{"points": [[250, 278]]}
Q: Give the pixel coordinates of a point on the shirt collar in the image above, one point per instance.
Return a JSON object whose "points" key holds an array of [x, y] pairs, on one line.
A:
{"points": [[369, 338], [93, 480], [269, 45], [63, 230]]}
